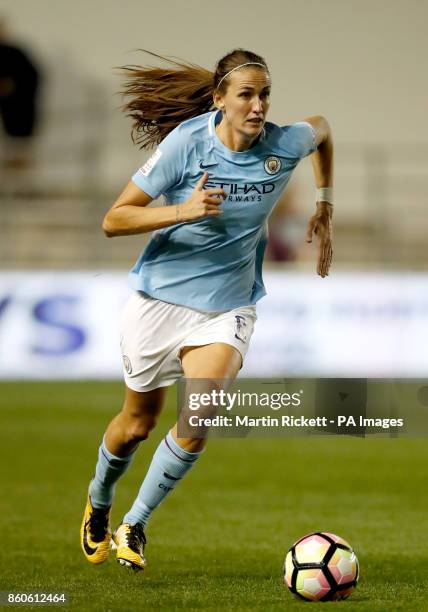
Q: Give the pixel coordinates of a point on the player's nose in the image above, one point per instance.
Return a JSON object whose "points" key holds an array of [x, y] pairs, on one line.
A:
{"points": [[257, 106]]}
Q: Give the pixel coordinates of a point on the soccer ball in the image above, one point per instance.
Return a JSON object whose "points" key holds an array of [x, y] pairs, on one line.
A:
{"points": [[321, 567]]}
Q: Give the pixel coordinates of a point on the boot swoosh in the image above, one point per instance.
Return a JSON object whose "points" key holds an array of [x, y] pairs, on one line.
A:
{"points": [[88, 549]]}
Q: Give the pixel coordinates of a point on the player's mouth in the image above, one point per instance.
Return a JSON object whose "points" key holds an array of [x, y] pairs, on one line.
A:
{"points": [[255, 121]]}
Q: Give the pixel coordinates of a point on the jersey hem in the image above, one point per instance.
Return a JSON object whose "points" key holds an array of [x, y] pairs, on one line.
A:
{"points": [[136, 283]]}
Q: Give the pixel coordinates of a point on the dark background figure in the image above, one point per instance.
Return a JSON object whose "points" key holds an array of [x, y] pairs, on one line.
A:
{"points": [[286, 228], [19, 86]]}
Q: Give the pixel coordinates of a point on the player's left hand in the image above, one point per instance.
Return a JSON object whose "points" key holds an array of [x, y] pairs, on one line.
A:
{"points": [[320, 225]]}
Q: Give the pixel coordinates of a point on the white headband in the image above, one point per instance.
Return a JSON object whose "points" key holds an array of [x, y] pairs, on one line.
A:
{"points": [[241, 66]]}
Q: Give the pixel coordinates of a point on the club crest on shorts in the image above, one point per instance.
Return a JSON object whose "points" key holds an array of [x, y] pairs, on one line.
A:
{"points": [[127, 364], [272, 164], [240, 331]]}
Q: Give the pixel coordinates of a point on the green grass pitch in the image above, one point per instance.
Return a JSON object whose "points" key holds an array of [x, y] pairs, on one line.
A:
{"points": [[219, 541]]}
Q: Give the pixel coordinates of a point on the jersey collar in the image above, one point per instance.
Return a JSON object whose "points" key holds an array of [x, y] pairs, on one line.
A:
{"points": [[213, 119]]}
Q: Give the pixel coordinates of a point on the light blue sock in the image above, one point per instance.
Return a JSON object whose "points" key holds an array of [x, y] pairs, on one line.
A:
{"points": [[169, 464], [109, 469]]}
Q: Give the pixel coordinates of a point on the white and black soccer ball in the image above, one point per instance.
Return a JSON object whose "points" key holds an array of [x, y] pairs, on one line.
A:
{"points": [[321, 566]]}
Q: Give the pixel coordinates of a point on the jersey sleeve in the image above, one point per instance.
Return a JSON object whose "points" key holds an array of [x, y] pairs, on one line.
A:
{"points": [[165, 167], [299, 139]]}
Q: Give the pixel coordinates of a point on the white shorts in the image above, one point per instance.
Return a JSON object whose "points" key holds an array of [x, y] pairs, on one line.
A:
{"points": [[153, 333]]}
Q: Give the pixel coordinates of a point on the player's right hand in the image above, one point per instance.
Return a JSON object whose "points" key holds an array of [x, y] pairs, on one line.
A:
{"points": [[203, 202]]}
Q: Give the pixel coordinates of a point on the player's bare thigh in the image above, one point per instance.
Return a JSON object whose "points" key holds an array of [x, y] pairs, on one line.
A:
{"points": [[139, 415], [217, 361]]}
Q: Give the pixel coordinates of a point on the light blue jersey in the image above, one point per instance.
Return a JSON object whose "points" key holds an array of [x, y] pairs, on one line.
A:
{"points": [[215, 263]]}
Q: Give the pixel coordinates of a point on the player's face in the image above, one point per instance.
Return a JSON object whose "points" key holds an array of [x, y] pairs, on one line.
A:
{"points": [[246, 101]]}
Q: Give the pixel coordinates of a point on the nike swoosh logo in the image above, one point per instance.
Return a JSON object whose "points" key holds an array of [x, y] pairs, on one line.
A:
{"points": [[170, 477], [203, 166], [88, 549]]}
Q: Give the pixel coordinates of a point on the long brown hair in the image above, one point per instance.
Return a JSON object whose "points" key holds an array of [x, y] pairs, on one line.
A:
{"points": [[161, 98]]}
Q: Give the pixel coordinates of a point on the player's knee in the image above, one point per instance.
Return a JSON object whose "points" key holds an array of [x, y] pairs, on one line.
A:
{"points": [[138, 430]]}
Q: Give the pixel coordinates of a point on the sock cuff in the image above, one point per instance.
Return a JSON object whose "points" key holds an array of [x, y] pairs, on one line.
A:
{"points": [[113, 458], [178, 451]]}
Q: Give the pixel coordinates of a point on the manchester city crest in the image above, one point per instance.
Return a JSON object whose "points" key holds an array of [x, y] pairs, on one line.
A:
{"points": [[272, 164], [127, 364]]}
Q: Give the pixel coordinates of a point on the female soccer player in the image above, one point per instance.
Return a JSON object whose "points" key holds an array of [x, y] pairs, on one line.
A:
{"points": [[196, 284]]}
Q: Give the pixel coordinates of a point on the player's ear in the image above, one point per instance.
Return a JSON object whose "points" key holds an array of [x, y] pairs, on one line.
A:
{"points": [[217, 99]]}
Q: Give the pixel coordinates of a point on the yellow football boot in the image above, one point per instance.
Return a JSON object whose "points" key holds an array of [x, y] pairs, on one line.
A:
{"points": [[95, 533], [129, 540]]}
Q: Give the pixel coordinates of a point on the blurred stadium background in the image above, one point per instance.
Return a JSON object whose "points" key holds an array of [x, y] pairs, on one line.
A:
{"points": [[334, 58], [62, 283]]}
